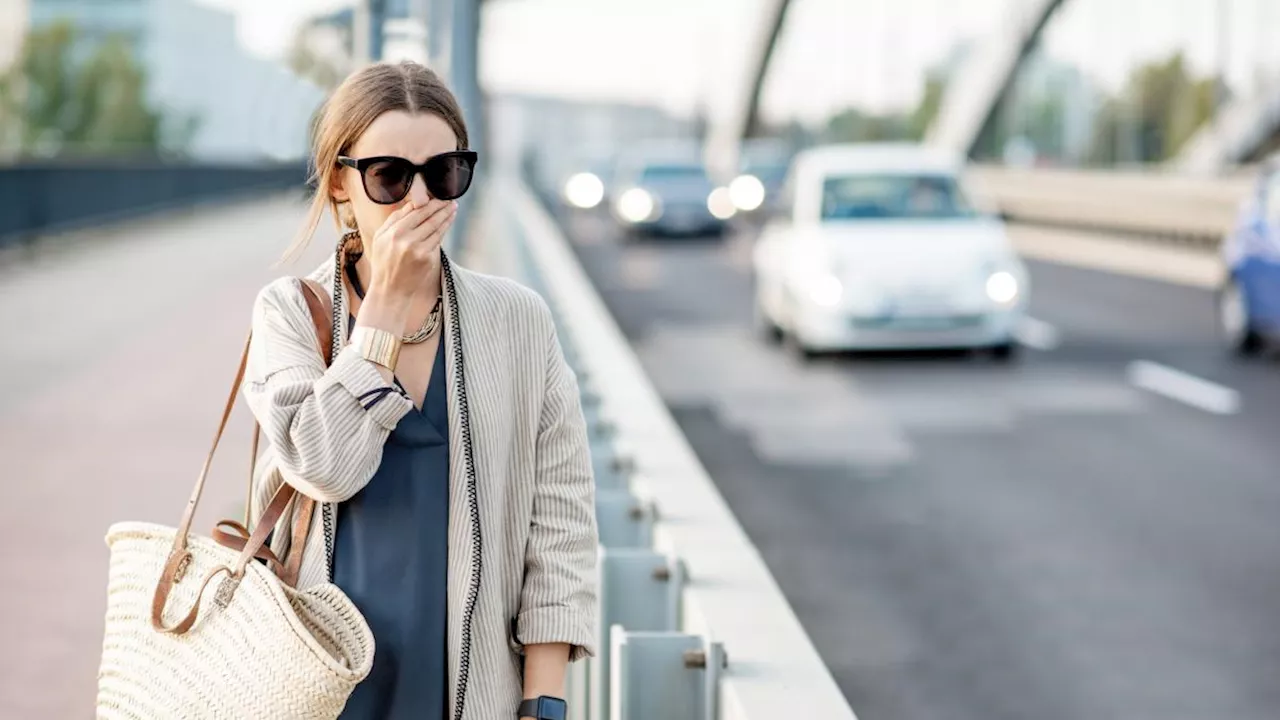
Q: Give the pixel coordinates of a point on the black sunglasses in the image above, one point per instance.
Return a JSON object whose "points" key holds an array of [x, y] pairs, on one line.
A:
{"points": [[388, 179]]}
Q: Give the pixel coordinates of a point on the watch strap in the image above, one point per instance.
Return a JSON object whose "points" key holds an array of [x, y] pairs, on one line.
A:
{"points": [[543, 707]]}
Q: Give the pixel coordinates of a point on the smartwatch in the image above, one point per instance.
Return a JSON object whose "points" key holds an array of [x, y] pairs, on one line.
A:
{"points": [[543, 708]]}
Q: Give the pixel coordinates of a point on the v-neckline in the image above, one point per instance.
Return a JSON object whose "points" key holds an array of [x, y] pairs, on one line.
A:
{"points": [[436, 367]]}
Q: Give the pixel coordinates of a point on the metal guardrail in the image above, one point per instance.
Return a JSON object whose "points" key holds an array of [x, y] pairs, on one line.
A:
{"points": [[1186, 209], [44, 197], [692, 625]]}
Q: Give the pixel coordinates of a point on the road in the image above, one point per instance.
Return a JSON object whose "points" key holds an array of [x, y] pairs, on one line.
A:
{"points": [[1088, 532], [122, 344]]}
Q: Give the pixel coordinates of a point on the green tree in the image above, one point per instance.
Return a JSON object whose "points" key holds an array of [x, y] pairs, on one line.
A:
{"points": [[935, 86], [855, 125], [1161, 107], [56, 102]]}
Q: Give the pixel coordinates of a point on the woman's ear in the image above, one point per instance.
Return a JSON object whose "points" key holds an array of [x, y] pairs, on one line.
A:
{"points": [[337, 190]]}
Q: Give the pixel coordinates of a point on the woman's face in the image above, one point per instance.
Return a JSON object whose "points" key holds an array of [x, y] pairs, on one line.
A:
{"points": [[397, 133]]}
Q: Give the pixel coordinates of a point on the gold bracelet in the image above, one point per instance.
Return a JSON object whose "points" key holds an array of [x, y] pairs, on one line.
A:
{"points": [[377, 346]]}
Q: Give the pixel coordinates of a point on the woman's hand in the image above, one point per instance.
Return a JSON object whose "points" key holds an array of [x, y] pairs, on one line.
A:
{"points": [[404, 248]]}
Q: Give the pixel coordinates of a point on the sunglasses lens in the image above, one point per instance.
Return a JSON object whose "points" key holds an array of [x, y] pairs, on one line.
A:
{"points": [[387, 181], [449, 177]]}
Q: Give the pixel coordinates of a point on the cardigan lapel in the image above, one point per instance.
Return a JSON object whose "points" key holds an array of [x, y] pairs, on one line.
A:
{"points": [[468, 384]]}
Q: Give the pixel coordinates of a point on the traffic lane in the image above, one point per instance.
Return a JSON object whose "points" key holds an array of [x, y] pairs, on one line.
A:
{"points": [[112, 421], [1024, 561], [1058, 574], [1103, 318]]}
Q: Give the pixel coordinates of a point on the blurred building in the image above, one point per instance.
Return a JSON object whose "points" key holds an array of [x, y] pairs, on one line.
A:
{"points": [[13, 24], [552, 138], [331, 39], [95, 20], [219, 102]]}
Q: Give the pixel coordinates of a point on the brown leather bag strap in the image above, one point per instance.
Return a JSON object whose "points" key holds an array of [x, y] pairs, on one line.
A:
{"points": [[179, 557], [235, 572], [318, 306], [302, 515]]}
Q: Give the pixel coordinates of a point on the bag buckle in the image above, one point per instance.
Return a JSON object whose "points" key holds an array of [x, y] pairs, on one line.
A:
{"points": [[227, 589]]}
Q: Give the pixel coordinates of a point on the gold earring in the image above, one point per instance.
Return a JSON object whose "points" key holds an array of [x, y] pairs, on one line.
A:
{"points": [[351, 243], [346, 215]]}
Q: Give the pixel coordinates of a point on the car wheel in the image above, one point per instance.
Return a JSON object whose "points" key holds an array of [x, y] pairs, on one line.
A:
{"points": [[799, 349], [768, 329], [1006, 351], [765, 326], [1238, 332]]}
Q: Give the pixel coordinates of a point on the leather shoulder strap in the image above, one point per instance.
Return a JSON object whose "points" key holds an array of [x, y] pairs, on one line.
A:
{"points": [[318, 304], [179, 557]]}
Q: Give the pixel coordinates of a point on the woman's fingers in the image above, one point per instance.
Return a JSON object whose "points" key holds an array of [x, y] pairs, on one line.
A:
{"points": [[431, 224]]}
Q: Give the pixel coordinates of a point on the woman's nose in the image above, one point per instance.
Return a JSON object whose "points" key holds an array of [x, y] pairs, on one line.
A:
{"points": [[418, 191]]}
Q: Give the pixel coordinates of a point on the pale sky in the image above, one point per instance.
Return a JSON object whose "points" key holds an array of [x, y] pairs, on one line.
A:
{"points": [[833, 53]]}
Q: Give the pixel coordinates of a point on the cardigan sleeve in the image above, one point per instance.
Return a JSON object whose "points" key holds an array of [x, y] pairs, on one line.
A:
{"points": [[326, 426]]}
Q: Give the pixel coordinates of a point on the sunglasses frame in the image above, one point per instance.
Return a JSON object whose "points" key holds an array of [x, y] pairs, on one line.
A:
{"points": [[362, 164]]}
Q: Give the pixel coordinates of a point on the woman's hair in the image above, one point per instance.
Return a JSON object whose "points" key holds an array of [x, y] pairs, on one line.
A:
{"points": [[353, 106]]}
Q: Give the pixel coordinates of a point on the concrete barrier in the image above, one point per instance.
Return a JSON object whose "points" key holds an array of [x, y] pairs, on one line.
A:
{"points": [[712, 636], [1193, 210]]}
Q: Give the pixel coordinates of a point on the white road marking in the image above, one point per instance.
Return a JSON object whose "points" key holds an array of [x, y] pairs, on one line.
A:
{"points": [[1036, 334], [1183, 387]]}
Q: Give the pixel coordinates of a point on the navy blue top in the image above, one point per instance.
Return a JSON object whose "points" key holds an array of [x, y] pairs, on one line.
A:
{"points": [[391, 559]]}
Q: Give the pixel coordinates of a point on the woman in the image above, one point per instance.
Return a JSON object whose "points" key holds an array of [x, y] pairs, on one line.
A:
{"points": [[445, 444]]}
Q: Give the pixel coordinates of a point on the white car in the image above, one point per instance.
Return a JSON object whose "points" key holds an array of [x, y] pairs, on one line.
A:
{"points": [[878, 246]]}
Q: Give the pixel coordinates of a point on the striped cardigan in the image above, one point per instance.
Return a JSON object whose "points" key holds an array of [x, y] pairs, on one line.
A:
{"points": [[522, 531]]}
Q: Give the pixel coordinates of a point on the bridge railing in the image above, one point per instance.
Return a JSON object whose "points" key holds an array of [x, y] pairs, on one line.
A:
{"points": [[40, 197], [692, 625], [1167, 206]]}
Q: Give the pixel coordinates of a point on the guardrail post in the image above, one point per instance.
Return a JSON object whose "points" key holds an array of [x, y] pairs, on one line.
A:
{"points": [[611, 468], [668, 675], [640, 591], [622, 519]]}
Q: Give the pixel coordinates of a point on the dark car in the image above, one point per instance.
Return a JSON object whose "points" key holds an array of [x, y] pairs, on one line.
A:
{"points": [[670, 196]]}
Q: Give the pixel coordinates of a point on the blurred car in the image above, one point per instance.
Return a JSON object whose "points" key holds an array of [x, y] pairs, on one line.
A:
{"points": [[758, 185], [1249, 298], [668, 191], [879, 247], [585, 187]]}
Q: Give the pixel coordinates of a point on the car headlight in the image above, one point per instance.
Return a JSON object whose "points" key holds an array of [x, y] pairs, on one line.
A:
{"points": [[826, 290], [1002, 287], [636, 205], [720, 204], [747, 192], [584, 190]]}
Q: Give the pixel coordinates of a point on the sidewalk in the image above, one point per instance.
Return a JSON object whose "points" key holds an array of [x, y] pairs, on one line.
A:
{"points": [[107, 411]]}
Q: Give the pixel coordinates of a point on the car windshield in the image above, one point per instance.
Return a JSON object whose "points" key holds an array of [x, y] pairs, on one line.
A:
{"points": [[673, 173], [884, 197], [768, 174]]}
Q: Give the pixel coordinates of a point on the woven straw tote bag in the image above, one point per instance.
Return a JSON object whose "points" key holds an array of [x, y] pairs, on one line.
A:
{"points": [[255, 647]]}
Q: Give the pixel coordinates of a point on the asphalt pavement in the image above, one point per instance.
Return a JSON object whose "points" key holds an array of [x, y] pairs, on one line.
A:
{"points": [[1088, 532]]}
